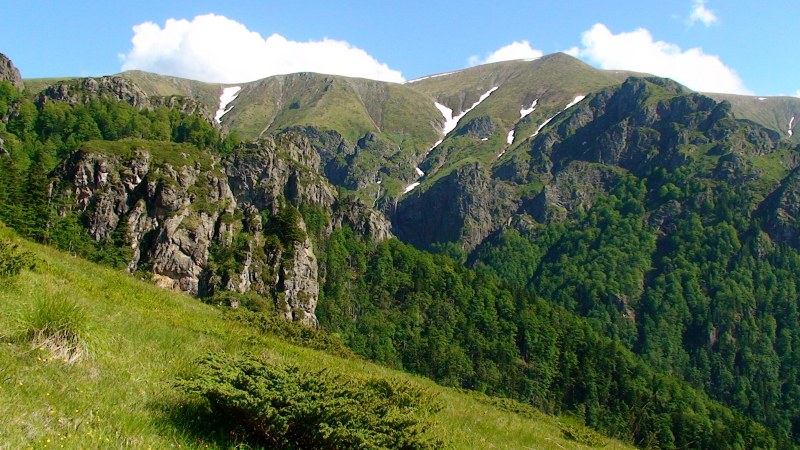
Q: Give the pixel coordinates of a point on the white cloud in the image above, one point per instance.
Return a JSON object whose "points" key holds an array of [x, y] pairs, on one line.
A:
{"points": [[702, 14], [637, 51], [797, 94], [214, 48], [512, 51]]}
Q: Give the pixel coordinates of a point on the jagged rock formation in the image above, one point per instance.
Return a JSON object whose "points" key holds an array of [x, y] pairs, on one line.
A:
{"points": [[465, 207], [173, 215], [10, 73]]}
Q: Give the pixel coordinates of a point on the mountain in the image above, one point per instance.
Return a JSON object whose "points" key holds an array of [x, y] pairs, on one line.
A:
{"points": [[608, 244]]}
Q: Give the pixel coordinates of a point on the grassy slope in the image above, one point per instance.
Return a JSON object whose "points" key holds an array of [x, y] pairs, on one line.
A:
{"points": [[554, 81], [141, 338], [772, 112], [352, 106], [162, 85]]}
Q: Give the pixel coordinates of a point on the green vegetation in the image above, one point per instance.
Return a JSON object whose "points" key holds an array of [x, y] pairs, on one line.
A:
{"points": [[57, 325], [12, 260], [658, 310], [146, 339], [282, 406], [431, 315]]}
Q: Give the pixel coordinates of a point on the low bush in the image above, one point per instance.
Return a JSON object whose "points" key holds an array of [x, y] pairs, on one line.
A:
{"points": [[296, 333], [13, 260], [281, 406]]}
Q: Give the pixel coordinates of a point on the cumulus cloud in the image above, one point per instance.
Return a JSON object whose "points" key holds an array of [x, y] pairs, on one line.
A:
{"points": [[214, 48], [514, 50], [702, 14], [637, 51]]}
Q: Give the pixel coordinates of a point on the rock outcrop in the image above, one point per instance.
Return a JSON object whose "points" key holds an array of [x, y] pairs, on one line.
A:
{"points": [[575, 188], [10, 73], [781, 211], [197, 223], [80, 91], [465, 206], [83, 90]]}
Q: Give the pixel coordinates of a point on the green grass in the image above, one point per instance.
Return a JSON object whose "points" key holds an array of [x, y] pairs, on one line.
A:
{"points": [[176, 155], [771, 112], [164, 86], [141, 338]]}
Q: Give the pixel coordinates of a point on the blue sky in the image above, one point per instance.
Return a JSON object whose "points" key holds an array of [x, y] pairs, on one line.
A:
{"points": [[711, 45]]}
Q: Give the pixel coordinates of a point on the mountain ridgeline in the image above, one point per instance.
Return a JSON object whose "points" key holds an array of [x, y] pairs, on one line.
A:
{"points": [[603, 244]]}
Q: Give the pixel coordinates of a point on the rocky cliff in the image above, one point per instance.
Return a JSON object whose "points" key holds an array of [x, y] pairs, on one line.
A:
{"points": [[10, 73], [202, 224], [642, 125]]}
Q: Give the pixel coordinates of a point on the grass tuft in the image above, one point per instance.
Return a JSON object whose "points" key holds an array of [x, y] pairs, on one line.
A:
{"points": [[58, 325]]}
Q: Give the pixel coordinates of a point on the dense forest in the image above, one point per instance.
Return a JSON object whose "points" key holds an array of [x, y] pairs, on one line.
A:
{"points": [[683, 339]]}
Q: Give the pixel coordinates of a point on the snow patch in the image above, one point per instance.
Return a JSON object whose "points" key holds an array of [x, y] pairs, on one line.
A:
{"points": [[525, 111], [419, 171], [569, 105], [435, 144], [762, 98], [575, 102], [430, 76], [450, 122], [484, 139], [411, 187], [510, 138], [378, 182], [791, 122], [229, 94], [543, 125]]}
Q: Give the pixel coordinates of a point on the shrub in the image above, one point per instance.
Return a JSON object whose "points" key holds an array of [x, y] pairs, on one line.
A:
{"points": [[281, 406], [582, 435], [269, 322], [57, 325], [12, 260]]}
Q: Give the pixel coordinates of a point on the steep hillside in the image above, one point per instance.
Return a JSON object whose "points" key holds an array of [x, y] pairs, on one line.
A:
{"points": [[518, 97], [777, 113], [140, 339]]}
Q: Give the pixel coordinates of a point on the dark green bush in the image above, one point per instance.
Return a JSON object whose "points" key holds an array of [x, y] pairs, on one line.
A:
{"points": [[13, 260], [280, 406]]}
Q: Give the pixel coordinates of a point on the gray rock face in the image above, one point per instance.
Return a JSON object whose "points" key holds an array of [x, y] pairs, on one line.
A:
{"points": [[576, 187], [172, 217], [259, 176], [154, 205], [10, 73], [465, 206], [781, 211], [298, 285], [363, 220], [482, 127]]}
